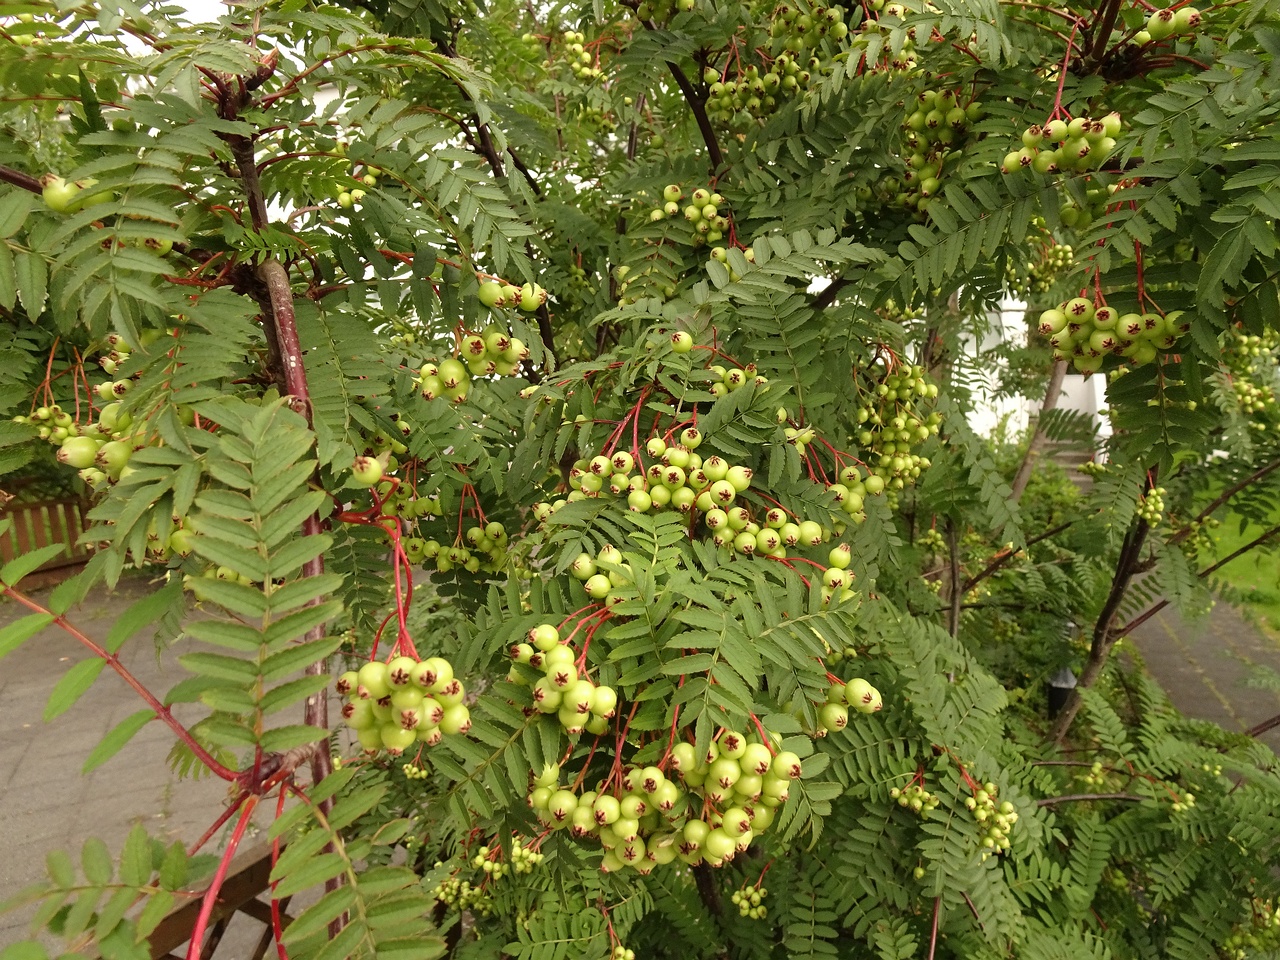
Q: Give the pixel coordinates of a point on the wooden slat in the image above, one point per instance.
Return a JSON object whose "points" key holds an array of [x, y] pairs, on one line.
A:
{"points": [[22, 524], [42, 523], [247, 877]]}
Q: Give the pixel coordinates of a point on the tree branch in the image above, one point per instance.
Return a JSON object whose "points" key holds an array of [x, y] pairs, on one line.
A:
{"points": [[1075, 797], [708, 892], [1104, 636], [19, 179], [1101, 29], [699, 108], [1226, 495], [956, 594], [1003, 558], [827, 295], [1038, 438], [1143, 617], [1264, 726], [162, 712]]}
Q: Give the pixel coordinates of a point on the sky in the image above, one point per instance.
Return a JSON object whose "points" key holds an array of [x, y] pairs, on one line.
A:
{"points": [[200, 11]]}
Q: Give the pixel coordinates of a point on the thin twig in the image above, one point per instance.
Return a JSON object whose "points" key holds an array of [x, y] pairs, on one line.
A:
{"points": [[1156, 608], [1226, 495], [211, 895], [1075, 797], [956, 595], [1038, 437], [163, 713], [1004, 558], [933, 927]]}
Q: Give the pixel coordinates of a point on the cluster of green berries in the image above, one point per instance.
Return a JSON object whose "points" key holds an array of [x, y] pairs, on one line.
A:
{"points": [[798, 56], [893, 311], [661, 11], [1184, 802], [1151, 505], [478, 549], [750, 901], [99, 449], [582, 62], [349, 197], [650, 280], [414, 771], [1087, 332], [1200, 542], [1082, 144], [994, 819], [1249, 347], [1250, 362], [1261, 937], [622, 953], [857, 694], [393, 705], [1056, 259], [1252, 398], [643, 819], [491, 352], [463, 895], [915, 797], [934, 131], [523, 860], [891, 424], [601, 578], [1096, 775], [702, 211], [890, 16], [561, 686], [1097, 198], [1165, 23], [496, 294]]}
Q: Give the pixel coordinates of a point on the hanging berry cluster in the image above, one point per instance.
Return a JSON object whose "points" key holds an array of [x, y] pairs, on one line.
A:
{"points": [[563, 687], [935, 131], [873, 34], [995, 820], [892, 424], [711, 812], [393, 705], [486, 353], [797, 55], [1151, 505], [1082, 144], [1052, 262], [702, 211], [750, 901], [1087, 331], [350, 194]]}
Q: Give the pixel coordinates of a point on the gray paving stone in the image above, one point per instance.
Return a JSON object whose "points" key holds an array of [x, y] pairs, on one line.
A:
{"points": [[1205, 666]]}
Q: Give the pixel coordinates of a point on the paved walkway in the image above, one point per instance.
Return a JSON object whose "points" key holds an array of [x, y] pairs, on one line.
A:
{"points": [[47, 804], [1205, 666]]}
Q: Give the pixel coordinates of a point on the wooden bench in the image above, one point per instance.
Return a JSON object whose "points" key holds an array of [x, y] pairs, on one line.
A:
{"points": [[247, 877], [41, 523]]}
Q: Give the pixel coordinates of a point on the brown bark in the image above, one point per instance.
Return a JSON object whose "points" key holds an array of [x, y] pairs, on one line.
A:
{"points": [[1038, 438]]}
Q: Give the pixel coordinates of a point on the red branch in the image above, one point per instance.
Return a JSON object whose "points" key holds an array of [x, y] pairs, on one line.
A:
{"points": [[163, 713]]}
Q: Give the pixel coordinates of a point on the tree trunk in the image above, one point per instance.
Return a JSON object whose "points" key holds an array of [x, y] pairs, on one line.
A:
{"points": [[1034, 448]]}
